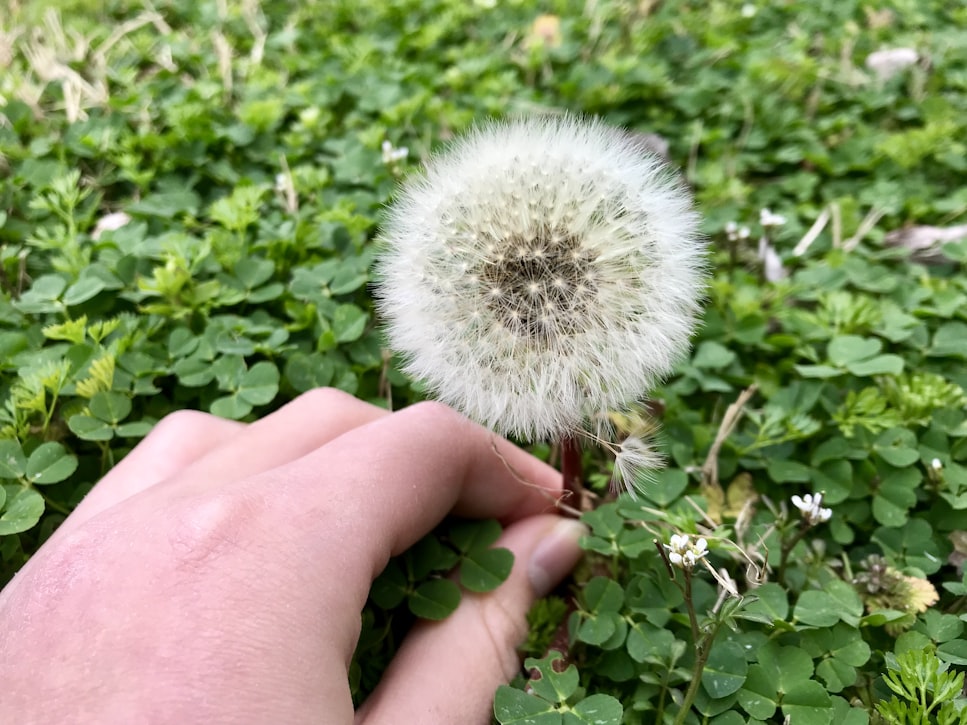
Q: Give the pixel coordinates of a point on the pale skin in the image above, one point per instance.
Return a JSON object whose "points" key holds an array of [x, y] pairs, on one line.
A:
{"points": [[216, 575]]}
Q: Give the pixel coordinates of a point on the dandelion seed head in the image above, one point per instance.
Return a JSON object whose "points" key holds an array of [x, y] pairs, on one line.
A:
{"points": [[568, 275]]}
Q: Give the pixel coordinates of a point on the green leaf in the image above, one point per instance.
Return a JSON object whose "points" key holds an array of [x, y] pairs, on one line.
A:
{"points": [[435, 599], [232, 407], [348, 323], [896, 495], [818, 371], [782, 471], [845, 349], [771, 601], [89, 428], [514, 707], [726, 669], [110, 407], [732, 717], [229, 371], [605, 521], [898, 447], [807, 703], [167, 204], [938, 626], [13, 462], [305, 372], [390, 587], [471, 535], [954, 652], [194, 372], [84, 289], [835, 480], [603, 595], [713, 355], [49, 463], [260, 384], [552, 685], [836, 674], [485, 570], [758, 695], [912, 545], [43, 295], [844, 714], [950, 340], [646, 643], [598, 627], [135, 429], [595, 710], [252, 271], [22, 509], [847, 602], [790, 665], [665, 486], [835, 449], [429, 555], [879, 365]]}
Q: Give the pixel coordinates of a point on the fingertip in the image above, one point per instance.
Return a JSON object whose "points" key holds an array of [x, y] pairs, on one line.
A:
{"points": [[455, 666], [555, 555]]}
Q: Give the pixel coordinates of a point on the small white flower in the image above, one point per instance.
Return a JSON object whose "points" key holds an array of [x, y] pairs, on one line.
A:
{"points": [[542, 273], [768, 219], [109, 223], [393, 155], [936, 464], [811, 508], [683, 553], [748, 10], [887, 63]]}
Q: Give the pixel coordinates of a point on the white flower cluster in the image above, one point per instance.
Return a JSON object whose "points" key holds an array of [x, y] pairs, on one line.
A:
{"points": [[735, 233], [683, 553], [768, 219], [542, 273], [811, 508], [392, 155]]}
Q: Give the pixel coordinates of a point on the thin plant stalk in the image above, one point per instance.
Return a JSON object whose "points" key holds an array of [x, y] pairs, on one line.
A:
{"points": [[572, 472], [786, 550]]}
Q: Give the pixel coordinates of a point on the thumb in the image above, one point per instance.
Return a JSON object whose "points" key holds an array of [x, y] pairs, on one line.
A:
{"points": [[447, 672]]}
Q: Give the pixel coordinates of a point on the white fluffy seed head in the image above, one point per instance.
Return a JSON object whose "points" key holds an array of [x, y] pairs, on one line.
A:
{"points": [[541, 273]]}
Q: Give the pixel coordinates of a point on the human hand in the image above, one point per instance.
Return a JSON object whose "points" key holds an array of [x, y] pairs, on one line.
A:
{"points": [[217, 574]]}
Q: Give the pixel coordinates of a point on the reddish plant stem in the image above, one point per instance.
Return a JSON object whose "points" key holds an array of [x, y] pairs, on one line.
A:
{"points": [[571, 469]]}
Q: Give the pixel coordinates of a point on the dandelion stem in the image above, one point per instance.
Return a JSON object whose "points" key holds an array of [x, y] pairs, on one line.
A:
{"points": [[571, 468]]}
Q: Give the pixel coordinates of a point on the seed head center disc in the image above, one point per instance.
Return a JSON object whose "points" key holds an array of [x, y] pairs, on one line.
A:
{"points": [[539, 287]]}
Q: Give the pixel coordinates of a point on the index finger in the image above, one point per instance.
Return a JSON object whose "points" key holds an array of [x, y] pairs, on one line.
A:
{"points": [[377, 489]]}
